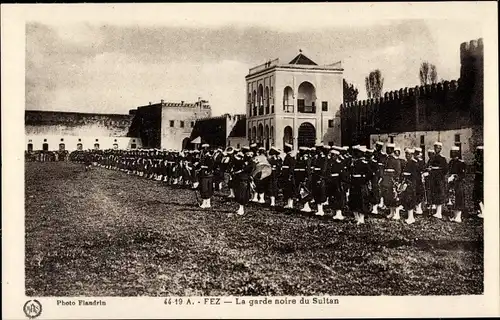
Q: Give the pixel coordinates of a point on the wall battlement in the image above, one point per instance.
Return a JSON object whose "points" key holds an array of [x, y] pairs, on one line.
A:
{"points": [[440, 90], [448, 105], [473, 48]]}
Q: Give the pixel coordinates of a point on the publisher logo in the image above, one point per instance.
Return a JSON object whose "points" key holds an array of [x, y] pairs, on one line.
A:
{"points": [[32, 308]]}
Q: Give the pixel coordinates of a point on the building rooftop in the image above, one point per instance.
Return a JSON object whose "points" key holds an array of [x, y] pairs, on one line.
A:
{"points": [[163, 103], [301, 61]]}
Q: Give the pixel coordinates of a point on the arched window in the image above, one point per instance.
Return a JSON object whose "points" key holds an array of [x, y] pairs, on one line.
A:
{"points": [[62, 147], [266, 137], [79, 146], [96, 146], [249, 137], [287, 135], [266, 95], [115, 145], [306, 100], [307, 135], [272, 99], [288, 99], [260, 134], [254, 134], [271, 135], [30, 147], [260, 99], [254, 103], [45, 147], [249, 103]]}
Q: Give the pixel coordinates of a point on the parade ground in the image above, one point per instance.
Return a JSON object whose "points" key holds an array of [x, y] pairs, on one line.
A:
{"points": [[106, 233]]}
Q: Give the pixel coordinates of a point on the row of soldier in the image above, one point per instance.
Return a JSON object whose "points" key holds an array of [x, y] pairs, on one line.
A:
{"points": [[358, 179], [46, 156]]}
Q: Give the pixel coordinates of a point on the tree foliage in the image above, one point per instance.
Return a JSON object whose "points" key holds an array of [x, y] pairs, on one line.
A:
{"points": [[374, 84], [350, 92], [428, 73]]}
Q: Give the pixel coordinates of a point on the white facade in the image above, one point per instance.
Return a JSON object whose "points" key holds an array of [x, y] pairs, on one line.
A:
{"points": [[296, 103], [177, 122]]}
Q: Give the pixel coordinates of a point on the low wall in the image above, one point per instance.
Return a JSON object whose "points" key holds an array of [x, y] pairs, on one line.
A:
{"points": [[88, 142], [468, 138]]}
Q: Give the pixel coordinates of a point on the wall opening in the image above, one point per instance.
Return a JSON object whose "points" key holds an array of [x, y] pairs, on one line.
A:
{"points": [[79, 147], [96, 146], [186, 143], [307, 135], [324, 106], [306, 100], [260, 99], [133, 146], [62, 147], [267, 100], [422, 146], [287, 135], [288, 100], [260, 134], [266, 138], [45, 147], [115, 146], [30, 147], [271, 135]]}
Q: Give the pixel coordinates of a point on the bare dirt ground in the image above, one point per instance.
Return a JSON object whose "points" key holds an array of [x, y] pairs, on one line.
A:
{"points": [[104, 233]]}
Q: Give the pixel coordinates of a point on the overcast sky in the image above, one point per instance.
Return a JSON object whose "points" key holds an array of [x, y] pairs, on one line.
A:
{"points": [[111, 60]]}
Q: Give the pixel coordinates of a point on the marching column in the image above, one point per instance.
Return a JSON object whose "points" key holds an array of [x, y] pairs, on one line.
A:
{"points": [[410, 177], [359, 179], [273, 185], [242, 173], [206, 177], [261, 184], [478, 192], [301, 178], [287, 178], [456, 184], [228, 162], [380, 157], [390, 176], [334, 174], [318, 188], [420, 187], [439, 169]]}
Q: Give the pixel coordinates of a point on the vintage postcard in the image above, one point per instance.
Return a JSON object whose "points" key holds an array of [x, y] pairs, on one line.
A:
{"points": [[286, 160]]}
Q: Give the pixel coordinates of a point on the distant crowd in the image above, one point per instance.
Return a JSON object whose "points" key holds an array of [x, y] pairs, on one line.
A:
{"points": [[356, 179], [46, 156]]}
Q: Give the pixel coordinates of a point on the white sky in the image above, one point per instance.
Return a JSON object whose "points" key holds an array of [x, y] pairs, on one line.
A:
{"points": [[105, 58]]}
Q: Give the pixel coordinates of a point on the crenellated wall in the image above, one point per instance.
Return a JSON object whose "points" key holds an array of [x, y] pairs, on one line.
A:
{"points": [[444, 106]]}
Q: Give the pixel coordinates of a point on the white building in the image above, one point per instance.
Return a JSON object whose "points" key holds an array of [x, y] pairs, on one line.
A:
{"points": [[296, 102]]}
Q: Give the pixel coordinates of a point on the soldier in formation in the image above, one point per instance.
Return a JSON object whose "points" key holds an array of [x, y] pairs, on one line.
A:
{"points": [[317, 179]]}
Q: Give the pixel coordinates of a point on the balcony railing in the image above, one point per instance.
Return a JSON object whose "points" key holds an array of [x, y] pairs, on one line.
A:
{"points": [[307, 109]]}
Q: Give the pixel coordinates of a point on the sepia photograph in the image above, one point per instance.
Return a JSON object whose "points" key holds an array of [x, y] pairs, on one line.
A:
{"points": [[258, 153]]}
